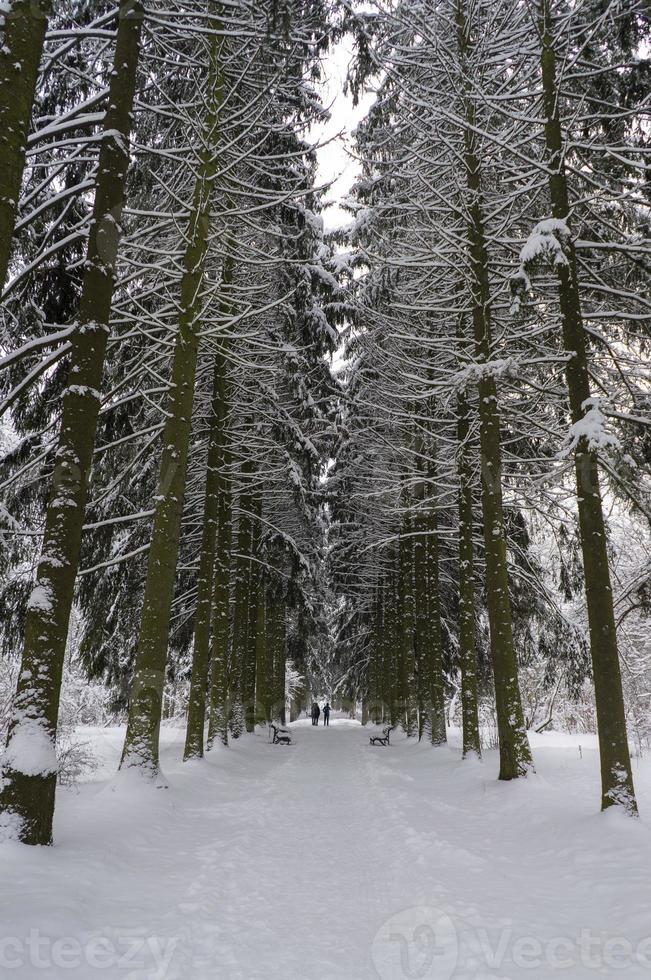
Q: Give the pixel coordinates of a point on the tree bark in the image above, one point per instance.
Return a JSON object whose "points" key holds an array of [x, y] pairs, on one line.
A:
{"points": [[262, 673], [616, 775], [422, 651], [253, 600], [392, 683], [241, 606], [371, 687], [298, 702], [467, 645], [427, 635], [515, 754], [143, 727], [277, 632], [219, 647], [438, 734], [206, 577], [25, 24], [378, 705], [30, 796], [407, 630]]}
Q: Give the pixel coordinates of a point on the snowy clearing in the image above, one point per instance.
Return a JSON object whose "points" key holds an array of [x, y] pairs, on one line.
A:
{"points": [[332, 859]]}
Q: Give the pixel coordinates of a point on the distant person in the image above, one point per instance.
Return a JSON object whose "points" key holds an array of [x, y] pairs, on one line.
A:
{"points": [[316, 711], [326, 714]]}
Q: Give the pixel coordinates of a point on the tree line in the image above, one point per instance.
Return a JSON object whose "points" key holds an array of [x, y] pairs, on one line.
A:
{"points": [[497, 400], [167, 320]]}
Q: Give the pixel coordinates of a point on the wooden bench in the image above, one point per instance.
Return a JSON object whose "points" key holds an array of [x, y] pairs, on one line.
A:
{"points": [[280, 736], [382, 739]]}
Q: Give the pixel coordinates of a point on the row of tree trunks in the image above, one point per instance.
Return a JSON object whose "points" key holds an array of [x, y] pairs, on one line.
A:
{"points": [[386, 697], [247, 662], [418, 616]]}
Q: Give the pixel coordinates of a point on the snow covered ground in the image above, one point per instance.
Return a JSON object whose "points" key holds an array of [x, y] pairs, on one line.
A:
{"points": [[331, 859]]}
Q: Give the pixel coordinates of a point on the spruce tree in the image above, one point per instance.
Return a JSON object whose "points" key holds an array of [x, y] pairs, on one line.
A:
{"points": [[27, 793]]}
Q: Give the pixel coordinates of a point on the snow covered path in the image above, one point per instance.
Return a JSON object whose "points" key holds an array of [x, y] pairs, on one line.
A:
{"points": [[329, 859]]}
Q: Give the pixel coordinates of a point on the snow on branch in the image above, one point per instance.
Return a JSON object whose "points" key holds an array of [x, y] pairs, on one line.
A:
{"points": [[592, 428], [472, 374], [547, 242]]}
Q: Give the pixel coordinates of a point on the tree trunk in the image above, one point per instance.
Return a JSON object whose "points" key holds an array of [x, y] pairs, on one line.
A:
{"points": [[262, 699], [438, 734], [27, 794], [25, 24], [206, 577], [428, 645], [241, 607], [407, 624], [376, 663], [515, 754], [143, 728], [253, 601], [298, 702], [422, 649], [392, 651], [278, 635], [219, 663], [616, 775], [467, 646]]}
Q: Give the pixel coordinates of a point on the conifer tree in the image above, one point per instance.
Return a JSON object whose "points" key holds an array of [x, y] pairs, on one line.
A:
{"points": [[29, 793]]}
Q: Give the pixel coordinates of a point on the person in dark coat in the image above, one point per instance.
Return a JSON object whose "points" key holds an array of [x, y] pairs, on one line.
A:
{"points": [[326, 714], [316, 711]]}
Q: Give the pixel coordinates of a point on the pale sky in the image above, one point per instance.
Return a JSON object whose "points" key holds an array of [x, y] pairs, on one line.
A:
{"points": [[334, 159]]}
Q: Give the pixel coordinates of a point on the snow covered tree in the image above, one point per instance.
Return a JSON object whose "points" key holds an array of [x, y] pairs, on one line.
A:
{"points": [[28, 776]]}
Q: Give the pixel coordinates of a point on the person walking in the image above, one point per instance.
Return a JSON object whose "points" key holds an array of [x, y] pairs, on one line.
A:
{"points": [[316, 711], [326, 714]]}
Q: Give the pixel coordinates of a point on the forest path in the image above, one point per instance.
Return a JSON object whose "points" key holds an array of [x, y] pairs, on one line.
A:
{"points": [[329, 860]]}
